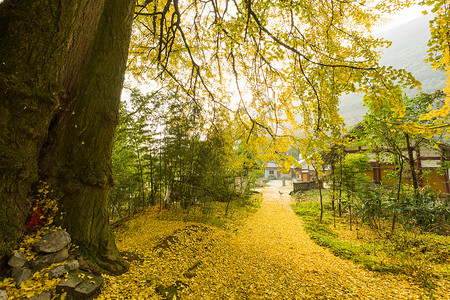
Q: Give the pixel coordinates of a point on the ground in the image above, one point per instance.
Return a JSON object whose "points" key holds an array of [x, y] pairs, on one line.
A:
{"points": [[268, 257]]}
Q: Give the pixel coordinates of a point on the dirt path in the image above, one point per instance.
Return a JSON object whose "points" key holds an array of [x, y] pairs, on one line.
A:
{"points": [[269, 257]]}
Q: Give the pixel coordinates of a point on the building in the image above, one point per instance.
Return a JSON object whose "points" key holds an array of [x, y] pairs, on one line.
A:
{"points": [[303, 173], [429, 163], [271, 172]]}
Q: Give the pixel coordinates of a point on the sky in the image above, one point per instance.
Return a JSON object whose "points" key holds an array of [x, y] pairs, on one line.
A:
{"points": [[400, 18]]}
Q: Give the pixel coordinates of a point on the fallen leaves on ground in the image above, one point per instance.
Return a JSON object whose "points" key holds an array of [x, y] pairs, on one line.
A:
{"points": [[268, 257]]}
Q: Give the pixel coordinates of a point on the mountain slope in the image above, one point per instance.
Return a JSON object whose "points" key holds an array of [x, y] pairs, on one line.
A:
{"points": [[408, 51]]}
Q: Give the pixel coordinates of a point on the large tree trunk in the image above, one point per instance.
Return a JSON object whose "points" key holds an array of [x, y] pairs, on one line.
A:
{"points": [[61, 74]]}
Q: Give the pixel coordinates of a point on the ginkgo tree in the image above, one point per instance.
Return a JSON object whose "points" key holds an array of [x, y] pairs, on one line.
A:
{"points": [[439, 52], [62, 69], [286, 63]]}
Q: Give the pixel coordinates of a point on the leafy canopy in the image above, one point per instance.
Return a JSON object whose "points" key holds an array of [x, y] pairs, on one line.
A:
{"points": [[273, 69]]}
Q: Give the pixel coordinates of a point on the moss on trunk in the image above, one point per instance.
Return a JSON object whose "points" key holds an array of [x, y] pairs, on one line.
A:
{"points": [[27, 103]]}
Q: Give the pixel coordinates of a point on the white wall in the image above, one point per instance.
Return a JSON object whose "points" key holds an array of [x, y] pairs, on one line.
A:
{"points": [[267, 171]]}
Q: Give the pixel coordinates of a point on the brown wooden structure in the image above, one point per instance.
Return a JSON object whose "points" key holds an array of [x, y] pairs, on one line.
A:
{"points": [[428, 162]]}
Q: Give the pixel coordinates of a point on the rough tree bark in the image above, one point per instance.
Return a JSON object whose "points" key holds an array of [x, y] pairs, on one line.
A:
{"points": [[62, 66]]}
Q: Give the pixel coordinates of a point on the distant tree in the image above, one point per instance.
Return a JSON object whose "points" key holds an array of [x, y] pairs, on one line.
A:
{"points": [[354, 178], [198, 162], [390, 129], [394, 132], [134, 159], [331, 160]]}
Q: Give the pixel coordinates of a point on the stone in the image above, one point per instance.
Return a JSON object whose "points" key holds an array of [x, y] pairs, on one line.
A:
{"points": [[45, 295], [52, 242], [70, 283], [20, 275], [17, 260], [3, 295], [169, 293], [57, 272], [80, 285], [194, 266], [72, 265], [62, 270], [89, 288], [47, 260], [189, 275]]}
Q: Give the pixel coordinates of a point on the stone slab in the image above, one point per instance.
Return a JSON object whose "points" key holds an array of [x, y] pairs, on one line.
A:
{"points": [[45, 295], [3, 295], [89, 288], [52, 242], [46, 260], [20, 275], [17, 260], [68, 285], [62, 270], [80, 285]]}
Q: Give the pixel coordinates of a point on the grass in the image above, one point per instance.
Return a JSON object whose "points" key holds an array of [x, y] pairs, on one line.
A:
{"points": [[424, 256]]}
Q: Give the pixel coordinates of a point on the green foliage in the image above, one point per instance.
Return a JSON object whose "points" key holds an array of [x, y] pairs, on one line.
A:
{"points": [[425, 210], [425, 256], [165, 153], [133, 157], [372, 207], [390, 127], [352, 177], [393, 132], [321, 232], [354, 168]]}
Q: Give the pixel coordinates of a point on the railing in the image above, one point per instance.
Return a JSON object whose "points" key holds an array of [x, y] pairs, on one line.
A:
{"points": [[304, 186]]}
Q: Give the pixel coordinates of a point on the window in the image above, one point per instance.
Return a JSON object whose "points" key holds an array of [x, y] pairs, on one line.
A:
{"points": [[272, 172]]}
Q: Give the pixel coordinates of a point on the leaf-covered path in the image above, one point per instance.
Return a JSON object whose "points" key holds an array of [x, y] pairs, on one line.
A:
{"points": [[269, 257]]}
